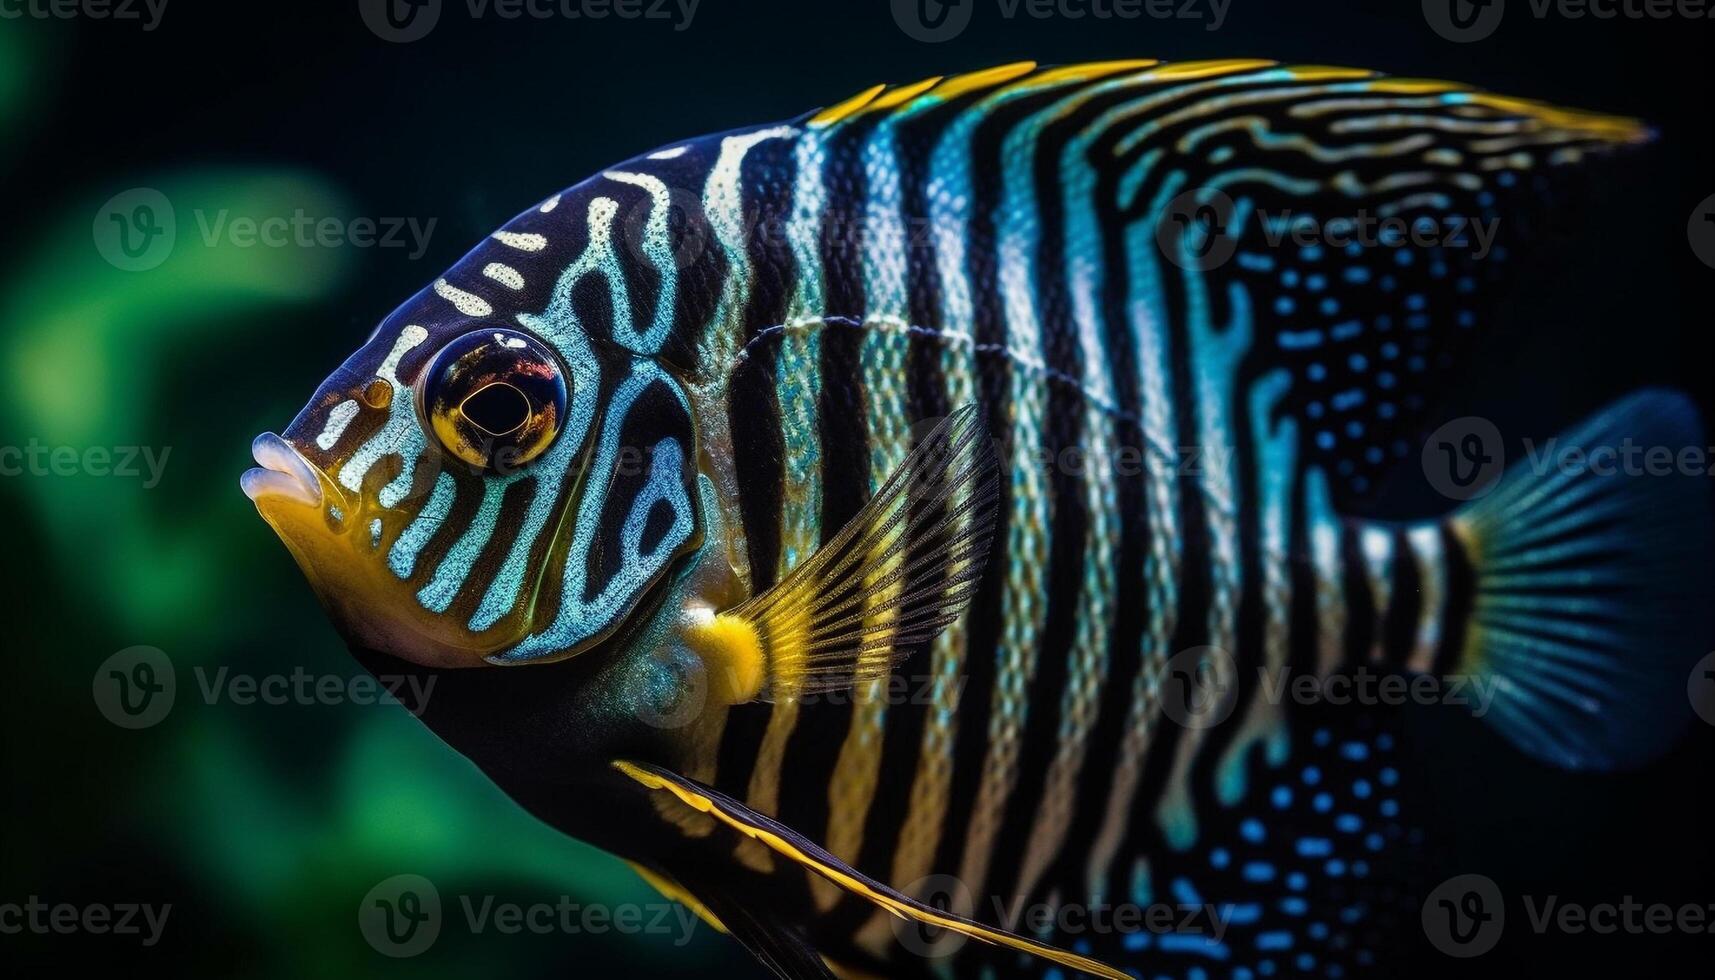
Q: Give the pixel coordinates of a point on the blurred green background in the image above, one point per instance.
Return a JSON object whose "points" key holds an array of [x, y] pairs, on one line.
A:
{"points": [[264, 826]]}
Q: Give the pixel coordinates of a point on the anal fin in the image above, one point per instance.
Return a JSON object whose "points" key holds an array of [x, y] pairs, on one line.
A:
{"points": [[795, 847]]}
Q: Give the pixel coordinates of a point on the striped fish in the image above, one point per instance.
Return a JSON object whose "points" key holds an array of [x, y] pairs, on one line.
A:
{"points": [[903, 515]]}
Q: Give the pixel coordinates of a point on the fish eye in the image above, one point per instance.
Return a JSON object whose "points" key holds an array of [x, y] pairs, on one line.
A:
{"points": [[494, 398]]}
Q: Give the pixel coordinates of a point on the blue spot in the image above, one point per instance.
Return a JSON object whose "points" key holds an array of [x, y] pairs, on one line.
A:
{"points": [[1354, 429], [1311, 253], [1316, 372], [1348, 823], [1297, 881], [1390, 808], [1330, 306], [1316, 282], [1243, 915], [1322, 737], [1274, 940], [1336, 868], [1293, 905], [1384, 741], [1322, 803], [1355, 751], [1289, 278], [1252, 831], [1374, 842], [1317, 931], [1402, 258], [1361, 789], [1315, 410], [1282, 797], [1358, 362], [1284, 306], [1325, 440], [1314, 847], [1389, 776], [1220, 858], [1258, 871]]}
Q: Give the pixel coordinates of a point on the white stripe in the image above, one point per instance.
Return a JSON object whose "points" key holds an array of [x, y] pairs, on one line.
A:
{"points": [[338, 419], [464, 302]]}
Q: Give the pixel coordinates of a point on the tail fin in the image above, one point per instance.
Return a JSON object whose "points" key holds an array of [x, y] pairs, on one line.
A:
{"points": [[1592, 588]]}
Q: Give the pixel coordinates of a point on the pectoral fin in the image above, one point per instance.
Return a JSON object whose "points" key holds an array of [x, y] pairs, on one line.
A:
{"points": [[902, 569], [794, 846]]}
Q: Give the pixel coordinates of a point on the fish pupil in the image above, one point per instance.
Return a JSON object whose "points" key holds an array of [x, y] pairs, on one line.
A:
{"points": [[497, 409]]}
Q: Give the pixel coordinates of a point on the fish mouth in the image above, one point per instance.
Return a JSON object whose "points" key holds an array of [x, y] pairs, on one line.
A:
{"points": [[281, 473]]}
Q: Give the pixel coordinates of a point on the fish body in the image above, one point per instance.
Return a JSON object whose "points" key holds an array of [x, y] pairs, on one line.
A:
{"points": [[920, 501]]}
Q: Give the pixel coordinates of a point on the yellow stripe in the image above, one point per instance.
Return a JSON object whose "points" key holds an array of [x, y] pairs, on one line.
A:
{"points": [[864, 888], [1322, 73], [675, 892], [901, 95], [1608, 127], [974, 81], [834, 114], [1412, 86], [1089, 70], [1209, 69]]}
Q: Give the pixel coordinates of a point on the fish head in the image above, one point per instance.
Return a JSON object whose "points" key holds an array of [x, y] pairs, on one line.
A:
{"points": [[487, 480]]}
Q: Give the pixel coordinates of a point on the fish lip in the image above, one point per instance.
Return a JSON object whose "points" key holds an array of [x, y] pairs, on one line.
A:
{"points": [[282, 473]]}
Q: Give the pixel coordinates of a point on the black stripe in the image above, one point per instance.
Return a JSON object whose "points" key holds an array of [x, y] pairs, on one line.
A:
{"points": [[1405, 603]]}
